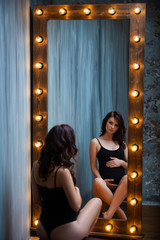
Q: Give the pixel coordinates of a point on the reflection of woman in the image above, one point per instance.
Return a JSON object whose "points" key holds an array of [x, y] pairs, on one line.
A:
{"points": [[110, 183], [54, 190]]}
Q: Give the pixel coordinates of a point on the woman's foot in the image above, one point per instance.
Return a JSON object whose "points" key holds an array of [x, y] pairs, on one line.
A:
{"points": [[106, 215], [120, 212]]}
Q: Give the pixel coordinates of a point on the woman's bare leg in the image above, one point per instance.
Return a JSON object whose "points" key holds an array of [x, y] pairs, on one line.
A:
{"points": [[101, 190], [89, 214], [119, 195], [41, 232], [80, 228]]}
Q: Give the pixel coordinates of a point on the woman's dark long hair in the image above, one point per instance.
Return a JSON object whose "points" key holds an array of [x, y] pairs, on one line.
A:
{"points": [[58, 150], [120, 134]]}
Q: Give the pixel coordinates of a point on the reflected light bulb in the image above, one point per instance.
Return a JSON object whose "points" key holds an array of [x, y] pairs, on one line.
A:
{"points": [[133, 202], [36, 222], [109, 227], [39, 39], [39, 118], [134, 174], [39, 91], [87, 11], [135, 120], [112, 11], [136, 66], [62, 11], [39, 65], [137, 38], [135, 93], [135, 147], [38, 144], [39, 12], [137, 10], [133, 229]]}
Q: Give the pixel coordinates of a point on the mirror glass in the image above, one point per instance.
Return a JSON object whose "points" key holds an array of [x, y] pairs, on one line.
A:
{"points": [[88, 66]]}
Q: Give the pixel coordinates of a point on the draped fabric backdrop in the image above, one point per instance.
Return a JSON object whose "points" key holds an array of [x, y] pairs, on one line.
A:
{"points": [[88, 77], [14, 120]]}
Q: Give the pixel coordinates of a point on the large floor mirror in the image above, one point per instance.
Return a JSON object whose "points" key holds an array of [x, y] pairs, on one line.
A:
{"points": [[88, 60]]}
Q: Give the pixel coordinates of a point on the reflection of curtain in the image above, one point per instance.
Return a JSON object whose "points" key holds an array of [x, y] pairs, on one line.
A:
{"points": [[88, 77]]}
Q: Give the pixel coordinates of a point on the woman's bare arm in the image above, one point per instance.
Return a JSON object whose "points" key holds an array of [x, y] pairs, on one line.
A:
{"points": [[93, 149], [72, 193]]}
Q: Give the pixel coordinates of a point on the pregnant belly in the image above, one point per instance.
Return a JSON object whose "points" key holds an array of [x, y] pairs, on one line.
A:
{"points": [[112, 173]]}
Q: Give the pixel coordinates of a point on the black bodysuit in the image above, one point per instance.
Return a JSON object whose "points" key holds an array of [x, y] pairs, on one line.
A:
{"points": [[56, 210], [103, 157]]}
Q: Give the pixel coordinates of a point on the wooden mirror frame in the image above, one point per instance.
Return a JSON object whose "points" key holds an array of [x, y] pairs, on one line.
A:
{"points": [[120, 228]]}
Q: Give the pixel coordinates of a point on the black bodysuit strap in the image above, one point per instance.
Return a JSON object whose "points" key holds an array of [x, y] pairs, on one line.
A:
{"points": [[56, 175], [99, 142]]}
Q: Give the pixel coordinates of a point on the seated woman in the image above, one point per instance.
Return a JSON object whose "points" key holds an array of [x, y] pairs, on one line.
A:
{"points": [[54, 190], [110, 183]]}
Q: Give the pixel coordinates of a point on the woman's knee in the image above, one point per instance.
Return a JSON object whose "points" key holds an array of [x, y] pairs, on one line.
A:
{"points": [[97, 202], [97, 182]]}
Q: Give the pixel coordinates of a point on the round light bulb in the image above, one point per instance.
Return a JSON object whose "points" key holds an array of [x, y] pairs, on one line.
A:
{"points": [[39, 12], [36, 222], [39, 118], [38, 144], [87, 11], [137, 38], [135, 93], [133, 229], [39, 65], [133, 202], [39, 39], [109, 227], [136, 66], [134, 174], [135, 120], [39, 91], [135, 147], [62, 11], [137, 10], [112, 11]]}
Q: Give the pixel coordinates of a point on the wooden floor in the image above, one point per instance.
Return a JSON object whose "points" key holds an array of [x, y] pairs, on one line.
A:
{"points": [[150, 224]]}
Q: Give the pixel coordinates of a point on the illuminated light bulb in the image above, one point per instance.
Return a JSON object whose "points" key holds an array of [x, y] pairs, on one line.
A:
{"points": [[39, 39], [137, 38], [112, 11], [39, 118], [39, 91], [133, 229], [39, 12], [39, 65], [62, 11], [133, 202], [36, 222], [87, 11], [109, 227], [135, 93], [135, 120], [135, 147], [38, 144], [134, 174], [136, 66], [137, 10]]}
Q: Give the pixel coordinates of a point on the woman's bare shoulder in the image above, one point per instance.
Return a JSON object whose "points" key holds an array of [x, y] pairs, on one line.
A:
{"points": [[94, 141], [63, 172]]}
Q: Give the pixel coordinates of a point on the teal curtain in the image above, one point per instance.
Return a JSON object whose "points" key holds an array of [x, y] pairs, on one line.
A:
{"points": [[88, 77]]}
